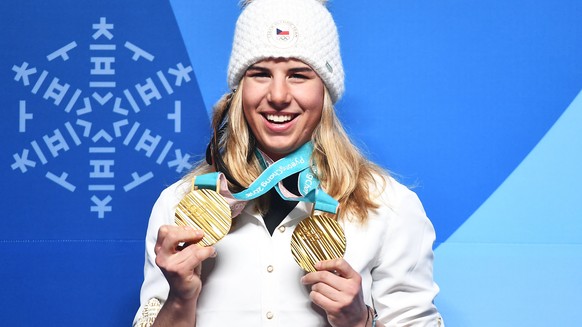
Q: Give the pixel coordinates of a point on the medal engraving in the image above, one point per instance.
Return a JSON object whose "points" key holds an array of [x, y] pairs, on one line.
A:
{"points": [[206, 210], [317, 238]]}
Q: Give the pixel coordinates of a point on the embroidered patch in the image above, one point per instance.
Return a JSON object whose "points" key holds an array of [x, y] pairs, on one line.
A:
{"points": [[282, 34]]}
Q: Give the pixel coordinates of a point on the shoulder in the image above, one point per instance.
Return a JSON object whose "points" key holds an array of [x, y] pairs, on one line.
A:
{"points": [[400, 211], [163, 209], [174, 192], [397, 231], [391, 194]]}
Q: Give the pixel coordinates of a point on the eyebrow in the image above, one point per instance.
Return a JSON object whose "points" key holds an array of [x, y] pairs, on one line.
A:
{"points": [[301, 69], [293, 70]]}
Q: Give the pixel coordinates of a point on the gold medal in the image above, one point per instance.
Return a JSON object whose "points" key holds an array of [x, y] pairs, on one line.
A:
{"points": [[317, 238], [206, 210]]}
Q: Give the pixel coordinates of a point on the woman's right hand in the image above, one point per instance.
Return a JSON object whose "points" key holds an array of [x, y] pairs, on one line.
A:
{"points": [[180, 260]]}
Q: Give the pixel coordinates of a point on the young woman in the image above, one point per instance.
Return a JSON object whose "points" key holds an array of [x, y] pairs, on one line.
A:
{"points": [[286, 73]]}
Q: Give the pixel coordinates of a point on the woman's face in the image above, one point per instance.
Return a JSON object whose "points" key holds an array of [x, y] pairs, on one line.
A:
{"points": [[282, 102]]}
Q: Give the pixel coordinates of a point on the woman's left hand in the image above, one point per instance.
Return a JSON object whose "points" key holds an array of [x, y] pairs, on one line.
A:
{"points": [[337, 288]]}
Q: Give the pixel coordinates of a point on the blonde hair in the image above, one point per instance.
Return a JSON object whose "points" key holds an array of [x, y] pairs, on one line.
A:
{"points": [[344, 173]]}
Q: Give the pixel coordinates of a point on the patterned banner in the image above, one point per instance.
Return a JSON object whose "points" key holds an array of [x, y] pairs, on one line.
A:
{"points": [[102, 110]]}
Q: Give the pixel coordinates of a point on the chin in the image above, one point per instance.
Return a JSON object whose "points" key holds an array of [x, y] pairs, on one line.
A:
{"points": [[277, 152]]}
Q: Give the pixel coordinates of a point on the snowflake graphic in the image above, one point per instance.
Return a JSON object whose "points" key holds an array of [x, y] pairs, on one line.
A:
{"points": [[121, 107]]}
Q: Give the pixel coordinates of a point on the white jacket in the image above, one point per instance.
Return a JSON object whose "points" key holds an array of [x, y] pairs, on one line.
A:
{"points": [[254, 280]]}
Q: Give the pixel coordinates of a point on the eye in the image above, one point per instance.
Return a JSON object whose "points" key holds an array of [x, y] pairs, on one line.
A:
{"points": [[257, 74], [299, 76]]}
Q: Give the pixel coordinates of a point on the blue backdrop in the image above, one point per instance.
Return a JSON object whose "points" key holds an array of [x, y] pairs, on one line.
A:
{"points": [[472, 104]]}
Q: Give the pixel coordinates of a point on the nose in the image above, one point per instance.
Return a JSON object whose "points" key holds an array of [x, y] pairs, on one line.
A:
{"points": [[279, 94]]}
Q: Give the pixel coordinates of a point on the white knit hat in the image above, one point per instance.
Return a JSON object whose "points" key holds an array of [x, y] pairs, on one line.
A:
{"points": [[301, 29]]}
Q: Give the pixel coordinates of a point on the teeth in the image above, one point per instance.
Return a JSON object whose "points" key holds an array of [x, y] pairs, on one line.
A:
{"points": [[279, 118]]}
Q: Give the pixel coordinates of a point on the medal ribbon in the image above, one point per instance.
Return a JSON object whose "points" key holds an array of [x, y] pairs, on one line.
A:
{"points": [[272, 176], [308, 186]]}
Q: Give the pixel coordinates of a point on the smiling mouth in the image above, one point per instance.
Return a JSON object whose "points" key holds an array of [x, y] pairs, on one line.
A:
{"points": [[279, 119]]}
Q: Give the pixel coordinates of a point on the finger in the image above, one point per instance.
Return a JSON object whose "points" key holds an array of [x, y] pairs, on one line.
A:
{"points": [[203, 254], [170, 237], [340, 288], [339, 267], [324, 302], [327, 291], [186, 261], [334, 287], [326, 277], [192, 253], [200, 252]]}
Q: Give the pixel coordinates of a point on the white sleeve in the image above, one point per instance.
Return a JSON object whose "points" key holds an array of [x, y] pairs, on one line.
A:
{"points": [[155, 284], [403, 288]]}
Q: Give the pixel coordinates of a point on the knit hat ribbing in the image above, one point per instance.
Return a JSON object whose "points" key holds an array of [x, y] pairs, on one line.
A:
{"points": [[301, 29]]}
